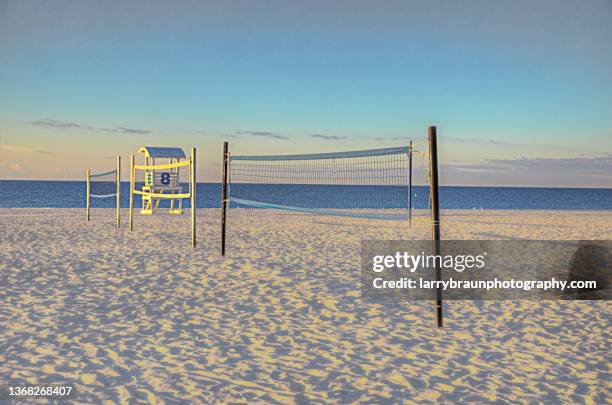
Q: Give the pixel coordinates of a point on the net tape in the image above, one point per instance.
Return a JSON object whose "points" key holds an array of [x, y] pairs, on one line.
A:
{"points": [[102, 195], [104, 174], [330, 155], [320, 211]]}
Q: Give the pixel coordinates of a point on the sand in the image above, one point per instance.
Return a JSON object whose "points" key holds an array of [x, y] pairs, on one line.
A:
{"points": [[127, 316]]}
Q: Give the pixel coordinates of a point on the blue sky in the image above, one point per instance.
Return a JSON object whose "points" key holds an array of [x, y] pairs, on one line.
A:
{"points": [[521, 91]]}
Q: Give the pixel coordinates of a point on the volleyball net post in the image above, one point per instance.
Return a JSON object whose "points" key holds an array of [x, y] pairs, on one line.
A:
{"points": [[87, 191], [435, 219], [224, 196], [192, 185]]}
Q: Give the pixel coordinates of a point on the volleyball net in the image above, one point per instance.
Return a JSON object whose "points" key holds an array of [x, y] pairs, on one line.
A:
{"points": [[375, 183], [105, 185], [366, 183]]}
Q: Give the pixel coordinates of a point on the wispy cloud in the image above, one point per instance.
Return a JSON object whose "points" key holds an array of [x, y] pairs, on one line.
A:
{"points": [[51, 123], [25, 149], [480, 141], [15, 148], [58, 124], [15, 167], [388, 138], [263, 133], [11, 167], [492, 142], [28, 150], [134, 131], [329, 137], [525, 145], [599, 166]]}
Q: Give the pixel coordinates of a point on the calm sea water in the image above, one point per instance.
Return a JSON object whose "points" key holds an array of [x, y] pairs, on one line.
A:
{"points": [[71, 194]]}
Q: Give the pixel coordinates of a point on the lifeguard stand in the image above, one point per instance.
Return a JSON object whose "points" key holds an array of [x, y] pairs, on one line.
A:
{"points": [[162, 181]]}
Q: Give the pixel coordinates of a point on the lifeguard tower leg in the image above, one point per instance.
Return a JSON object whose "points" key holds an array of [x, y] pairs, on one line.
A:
{"points": [[193, 196]]}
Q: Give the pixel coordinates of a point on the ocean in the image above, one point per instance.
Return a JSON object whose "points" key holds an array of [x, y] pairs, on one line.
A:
{"points": [[71, 194]]}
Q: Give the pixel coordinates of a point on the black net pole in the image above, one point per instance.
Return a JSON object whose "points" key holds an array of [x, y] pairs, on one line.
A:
{"points": [[224, 197], [435, 217]]}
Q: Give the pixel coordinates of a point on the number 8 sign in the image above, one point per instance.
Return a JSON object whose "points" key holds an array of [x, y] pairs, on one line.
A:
{"points": [[165, 178]]}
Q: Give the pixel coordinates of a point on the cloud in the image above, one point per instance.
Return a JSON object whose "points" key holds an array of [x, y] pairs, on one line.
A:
{"points": [[14, 167], [578, 171], [390, 138], [526, 145], [51, 123], [475, 141], [25, 149], [15, 148], [481, 141], [329, 137], [57, 124], [599, 166], [134, 131], [262, 133]]}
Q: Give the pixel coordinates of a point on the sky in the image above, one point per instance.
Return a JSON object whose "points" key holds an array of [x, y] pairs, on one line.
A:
{"points": [[520, 91]]}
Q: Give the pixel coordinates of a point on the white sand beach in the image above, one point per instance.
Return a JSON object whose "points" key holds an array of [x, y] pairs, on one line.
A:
{"points": [[126, 316]]}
